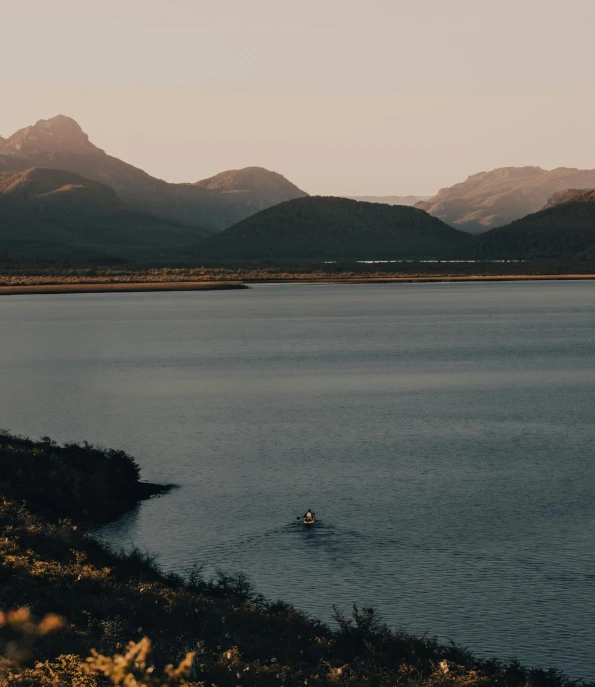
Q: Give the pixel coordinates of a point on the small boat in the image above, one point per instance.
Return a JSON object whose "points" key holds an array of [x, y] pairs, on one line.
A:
{"points": [[310, 520]]}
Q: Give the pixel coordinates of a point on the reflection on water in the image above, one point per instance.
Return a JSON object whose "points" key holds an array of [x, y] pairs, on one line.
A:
{"points": [[443, 433]]}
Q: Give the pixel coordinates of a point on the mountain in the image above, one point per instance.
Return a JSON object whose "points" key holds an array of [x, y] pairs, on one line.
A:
{"points": [[60, 143], [49, 212], [390, 200], [262, 187], [496, 198], [12, 163], [334, 228], [561, 231], [563, 196]]}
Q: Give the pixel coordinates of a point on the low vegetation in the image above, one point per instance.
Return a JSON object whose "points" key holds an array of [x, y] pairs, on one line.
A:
{"points": [[81, 614], [12, 274], [86, 483]]}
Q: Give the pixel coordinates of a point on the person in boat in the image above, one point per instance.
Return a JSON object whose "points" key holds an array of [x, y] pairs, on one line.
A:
{"points": [[310, 514]]}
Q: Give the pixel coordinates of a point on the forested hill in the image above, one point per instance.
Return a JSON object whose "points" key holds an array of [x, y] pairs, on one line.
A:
{"points": [[564, 231], [320, 227]]}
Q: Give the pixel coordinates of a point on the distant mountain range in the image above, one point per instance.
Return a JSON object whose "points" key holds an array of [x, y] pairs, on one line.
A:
{"points": [[496, 198], [390, 200], [212, 204], [61, 196], [334, 228]]}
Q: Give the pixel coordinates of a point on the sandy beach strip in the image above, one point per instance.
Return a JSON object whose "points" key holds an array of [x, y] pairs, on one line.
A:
{"points": [[117, 287]]}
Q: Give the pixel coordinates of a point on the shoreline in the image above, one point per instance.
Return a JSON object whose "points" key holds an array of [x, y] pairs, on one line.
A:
{"points": [[425, 279], [214, 285], [115, 287]]}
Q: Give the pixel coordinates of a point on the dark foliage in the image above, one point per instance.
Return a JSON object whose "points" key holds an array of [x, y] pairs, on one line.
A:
{"points": [[561, 232], [79, 481], [334, 228]]}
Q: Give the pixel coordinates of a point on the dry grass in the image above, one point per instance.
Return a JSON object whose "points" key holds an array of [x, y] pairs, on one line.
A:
{"points": [[106, 279]]}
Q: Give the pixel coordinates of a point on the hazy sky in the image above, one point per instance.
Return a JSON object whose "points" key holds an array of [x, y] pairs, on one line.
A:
{"points": [[340, 96]]}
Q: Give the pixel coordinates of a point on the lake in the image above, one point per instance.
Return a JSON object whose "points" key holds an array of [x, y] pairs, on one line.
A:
{"points": [[443, 433]]}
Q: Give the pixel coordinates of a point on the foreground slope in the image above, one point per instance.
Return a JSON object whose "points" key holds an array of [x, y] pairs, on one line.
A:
{"points": [[60, 143], [105, 599], [563, 230], [49, 212], [496, 198], [335, 228]]}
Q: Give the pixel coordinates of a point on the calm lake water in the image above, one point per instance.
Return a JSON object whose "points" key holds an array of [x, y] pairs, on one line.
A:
{"points": [[443, 433]]}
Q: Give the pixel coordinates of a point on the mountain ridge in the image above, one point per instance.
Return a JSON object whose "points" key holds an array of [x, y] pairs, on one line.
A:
{"points": [[60, 143], [565, 230], [562, 196], [496, 198]]}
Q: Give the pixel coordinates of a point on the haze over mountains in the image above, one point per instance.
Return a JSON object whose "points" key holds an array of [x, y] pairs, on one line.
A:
{"points": [[496, 198], [60, 143]]}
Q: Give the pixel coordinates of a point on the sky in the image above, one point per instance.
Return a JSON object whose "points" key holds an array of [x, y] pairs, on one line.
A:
{"points": [[343, 97]]}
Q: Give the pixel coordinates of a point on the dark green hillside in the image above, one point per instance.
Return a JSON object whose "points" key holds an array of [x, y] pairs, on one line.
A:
{"points": [[49, 212], [334, 228], [562, 232]]}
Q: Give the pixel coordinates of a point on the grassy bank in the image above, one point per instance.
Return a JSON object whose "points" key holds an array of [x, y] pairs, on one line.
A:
{"points": [[130, 277], [106, 599]]}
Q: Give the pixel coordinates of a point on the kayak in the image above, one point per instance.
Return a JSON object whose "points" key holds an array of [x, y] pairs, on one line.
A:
{"points": [[310, 521]]}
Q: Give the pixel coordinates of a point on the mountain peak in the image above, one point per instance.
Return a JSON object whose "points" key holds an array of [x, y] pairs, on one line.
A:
{"points": [[61, 124], [58, 134], [265, 187]]}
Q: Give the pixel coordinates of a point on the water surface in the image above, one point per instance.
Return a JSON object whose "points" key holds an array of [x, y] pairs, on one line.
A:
{"points": [[443, 433]]}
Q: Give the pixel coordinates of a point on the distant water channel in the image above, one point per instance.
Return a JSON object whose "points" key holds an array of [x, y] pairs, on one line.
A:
{"points": [[443, 433]]}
